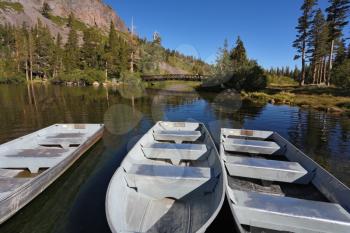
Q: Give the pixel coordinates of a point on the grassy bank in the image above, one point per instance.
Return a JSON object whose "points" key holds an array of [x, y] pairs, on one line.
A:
{"points": [[173, 85], [328, 99]]}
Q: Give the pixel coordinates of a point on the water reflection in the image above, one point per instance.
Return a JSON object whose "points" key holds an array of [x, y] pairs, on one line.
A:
{"points": [[75, 203]]}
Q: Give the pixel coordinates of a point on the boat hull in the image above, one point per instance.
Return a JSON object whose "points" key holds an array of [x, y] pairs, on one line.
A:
{"points": [[129, 210], [330, 189], [23, 195]]}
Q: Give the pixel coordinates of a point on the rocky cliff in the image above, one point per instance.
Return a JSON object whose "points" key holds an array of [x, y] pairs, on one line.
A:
{"points": [[89, 12]]}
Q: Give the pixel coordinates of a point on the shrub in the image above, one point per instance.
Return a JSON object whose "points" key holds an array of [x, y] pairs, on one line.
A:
{"points": [[341, 75], [249, 77], [87, 76], [16, 6], [13, 79]]}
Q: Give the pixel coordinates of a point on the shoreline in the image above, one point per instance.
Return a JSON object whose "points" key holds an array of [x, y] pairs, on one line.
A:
{"points": [[327, 99]]}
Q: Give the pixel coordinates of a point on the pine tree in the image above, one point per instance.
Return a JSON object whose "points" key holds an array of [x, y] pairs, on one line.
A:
{"points": [[58, 56], [341, 53], [71, 20], [44, 50], [123, 56], [71, 51], [46, 10], [111, 53], [239, 54], [224, 61], [303, 28], [92, 49], [317, 44], [337, 20]]}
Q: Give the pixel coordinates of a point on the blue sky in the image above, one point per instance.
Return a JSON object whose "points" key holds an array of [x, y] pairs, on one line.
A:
{"points": [[199, 27]]}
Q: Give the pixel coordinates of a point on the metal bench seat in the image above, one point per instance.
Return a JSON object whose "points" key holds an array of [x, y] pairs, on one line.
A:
{"points": [[247, 134], [289, 214], [68, 135], [32, 159], [177, 136], [270, 170], [159, 181], [61, 142], [250, 146], [174, 152]]}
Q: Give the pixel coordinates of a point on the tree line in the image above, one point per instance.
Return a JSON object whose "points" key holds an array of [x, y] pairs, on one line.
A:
{"points": [[284, 71], [320, 43], [33, 52], [87, 54]]}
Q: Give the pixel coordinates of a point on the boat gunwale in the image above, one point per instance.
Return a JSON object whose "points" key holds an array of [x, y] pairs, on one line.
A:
{"points": [[213, 216], [66, 163]]}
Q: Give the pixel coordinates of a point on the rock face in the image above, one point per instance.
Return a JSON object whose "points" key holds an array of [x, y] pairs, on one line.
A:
{"points": [[90, 12]]}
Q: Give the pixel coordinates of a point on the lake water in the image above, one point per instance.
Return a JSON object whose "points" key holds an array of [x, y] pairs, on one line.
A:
{"points": [[75, 202]]}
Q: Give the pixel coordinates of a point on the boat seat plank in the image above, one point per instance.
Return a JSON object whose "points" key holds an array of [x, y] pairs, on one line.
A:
{"points": [[177, 136], [289, 214], [247, 134], [62, 142], [250, 146], [158, 181], [174, 152], [270, 170], [33, 164], [68, 135], [179, 125], [34, 153]]}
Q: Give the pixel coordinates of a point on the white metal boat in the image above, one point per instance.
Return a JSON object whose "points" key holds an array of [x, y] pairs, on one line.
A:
{"points": [[272, 186], [170, 181], [28, 165]]}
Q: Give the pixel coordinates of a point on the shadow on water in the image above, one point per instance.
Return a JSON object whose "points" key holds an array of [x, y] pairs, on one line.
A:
{"points": [[75, 202]]}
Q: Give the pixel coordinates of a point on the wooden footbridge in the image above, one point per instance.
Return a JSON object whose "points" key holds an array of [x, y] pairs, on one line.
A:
{"points": [[180, 77]]}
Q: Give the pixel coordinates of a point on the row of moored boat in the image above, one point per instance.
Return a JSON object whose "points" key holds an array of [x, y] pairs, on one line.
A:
{"points": [[175, 180]]}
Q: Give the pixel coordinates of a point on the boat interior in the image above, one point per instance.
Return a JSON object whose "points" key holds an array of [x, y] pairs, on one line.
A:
{"points": [[170, 181], [25, 158], [274, 187]]}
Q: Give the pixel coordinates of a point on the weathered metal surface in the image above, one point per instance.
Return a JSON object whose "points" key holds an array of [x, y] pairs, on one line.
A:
{"points": [[247, 134], [185, 126], [324, 207], [177, 136], [6, 173], [264, 169], [174, 152], [153, 195], [289, 214], [250, 146], [157, 181], [25, 189]]}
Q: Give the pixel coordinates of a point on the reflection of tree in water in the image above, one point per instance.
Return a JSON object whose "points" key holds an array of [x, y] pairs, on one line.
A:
{"points": [[317, 135], [229, 106]]}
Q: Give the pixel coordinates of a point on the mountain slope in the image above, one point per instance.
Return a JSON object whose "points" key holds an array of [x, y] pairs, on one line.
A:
{"points": [[89, 12]]}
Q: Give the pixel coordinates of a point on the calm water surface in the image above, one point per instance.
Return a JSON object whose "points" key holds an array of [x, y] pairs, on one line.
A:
{"points": [[75, 202]]}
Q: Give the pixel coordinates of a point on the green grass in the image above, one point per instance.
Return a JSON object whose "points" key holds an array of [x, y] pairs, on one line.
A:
{"points": [[16, 6], [328, 99], [280, 81], [58, 20], [61, 21], [183, 86]]}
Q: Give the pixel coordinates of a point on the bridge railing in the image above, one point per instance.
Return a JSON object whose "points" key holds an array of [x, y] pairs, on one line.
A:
{"points": [[180, 77]]}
